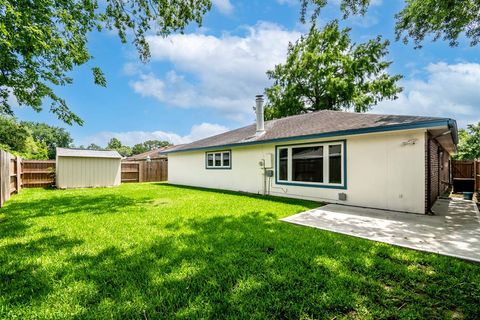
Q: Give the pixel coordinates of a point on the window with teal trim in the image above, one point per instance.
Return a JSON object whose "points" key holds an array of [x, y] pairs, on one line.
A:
{"points": [[314, 164]]}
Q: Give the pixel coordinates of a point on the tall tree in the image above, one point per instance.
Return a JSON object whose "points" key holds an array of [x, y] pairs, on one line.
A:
{"points": [[149, 145], [324, 70], [115, 144], [41, 41], [52, 136], [155, 144], [441, 19], [13, 136], [469, 143], [17, 139], [93, 146]]}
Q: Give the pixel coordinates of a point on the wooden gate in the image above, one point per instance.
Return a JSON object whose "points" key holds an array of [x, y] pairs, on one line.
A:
{"points": [[466, 175], [145, 171]]}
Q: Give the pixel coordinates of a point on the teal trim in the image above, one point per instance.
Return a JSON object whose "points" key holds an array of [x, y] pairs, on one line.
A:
{"points": [[450, 123], [218, 168], [300, 184]]}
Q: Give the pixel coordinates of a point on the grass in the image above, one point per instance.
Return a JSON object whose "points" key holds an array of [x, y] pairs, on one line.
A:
{"points": [[149, 251]]}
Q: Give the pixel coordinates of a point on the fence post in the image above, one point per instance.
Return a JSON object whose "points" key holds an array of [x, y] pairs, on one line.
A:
{"points": [[141, 171], [4, 177], [19, 174]]}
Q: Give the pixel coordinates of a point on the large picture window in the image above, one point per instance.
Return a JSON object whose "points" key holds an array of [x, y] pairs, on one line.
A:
{"points": [[316, 164], [218, 160]]}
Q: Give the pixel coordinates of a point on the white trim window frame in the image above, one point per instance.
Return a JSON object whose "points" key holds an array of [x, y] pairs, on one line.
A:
{"points": [[211, 159], [288, 149]]}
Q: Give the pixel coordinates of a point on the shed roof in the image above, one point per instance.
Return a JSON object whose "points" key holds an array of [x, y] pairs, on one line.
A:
{"points": [[67, 152], [317, 124]]}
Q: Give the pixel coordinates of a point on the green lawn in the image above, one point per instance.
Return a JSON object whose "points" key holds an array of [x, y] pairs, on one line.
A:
{"points": [[153, 250]]}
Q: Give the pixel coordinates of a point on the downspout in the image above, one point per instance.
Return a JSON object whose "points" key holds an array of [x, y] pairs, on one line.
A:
{"points": [[427, 144]]}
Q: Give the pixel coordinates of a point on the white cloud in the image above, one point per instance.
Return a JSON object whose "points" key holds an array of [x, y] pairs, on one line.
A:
{"points": [[222, 73], [224, 6], [131, 138], [449, 90]]}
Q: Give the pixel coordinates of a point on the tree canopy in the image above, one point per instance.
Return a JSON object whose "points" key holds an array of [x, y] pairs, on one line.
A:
{"points": [[52, 136], [469, 143], [324, 70], [17, 139], [441, 19], [115, 144], [148, 146], [43, 40]]}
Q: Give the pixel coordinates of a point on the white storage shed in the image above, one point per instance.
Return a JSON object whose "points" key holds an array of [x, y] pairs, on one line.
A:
{"points": [[77, 168]]}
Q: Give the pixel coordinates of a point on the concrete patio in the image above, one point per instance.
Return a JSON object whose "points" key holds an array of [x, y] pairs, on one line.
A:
{"points": [[454, 230]]}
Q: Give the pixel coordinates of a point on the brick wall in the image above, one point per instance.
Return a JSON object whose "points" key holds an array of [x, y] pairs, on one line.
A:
{"points": [[438, 171]]}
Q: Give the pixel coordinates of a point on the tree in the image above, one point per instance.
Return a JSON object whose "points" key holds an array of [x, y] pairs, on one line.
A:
{"points": [[52, 136], [155, 144], [93, 146], [115, 144], [42, 41], [17, 139], [469, 143], [446, 19], [139, 148], [13, 137], [324, 70], [149, 145]]}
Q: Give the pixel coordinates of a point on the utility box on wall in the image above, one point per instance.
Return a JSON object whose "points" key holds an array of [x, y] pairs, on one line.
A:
{"points": [[77, 168], [268, 161]]}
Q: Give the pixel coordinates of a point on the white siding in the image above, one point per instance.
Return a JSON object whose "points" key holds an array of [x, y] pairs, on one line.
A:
{"points": [[81, 172], [382, 172]]}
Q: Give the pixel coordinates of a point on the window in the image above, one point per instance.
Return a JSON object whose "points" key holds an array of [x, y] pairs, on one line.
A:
{"points": [[218, 160], [319, 164], [335, 163], [210, 160], [226, 159], [307, 164], [283, 164]]}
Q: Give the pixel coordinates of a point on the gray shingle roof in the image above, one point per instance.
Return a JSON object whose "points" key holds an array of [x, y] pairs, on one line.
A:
{"points": [[314, 123], [65, 152]]}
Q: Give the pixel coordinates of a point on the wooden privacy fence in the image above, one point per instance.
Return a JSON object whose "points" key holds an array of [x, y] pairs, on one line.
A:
{"points": [[466, 175], [16, 173], [145, 171]]}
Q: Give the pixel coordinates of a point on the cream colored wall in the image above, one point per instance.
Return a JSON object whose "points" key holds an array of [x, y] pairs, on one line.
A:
{"points": [[82, 172], [382, 172]]}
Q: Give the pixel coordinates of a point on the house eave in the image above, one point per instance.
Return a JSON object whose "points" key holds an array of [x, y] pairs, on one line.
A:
{"points": [[450, 123]]}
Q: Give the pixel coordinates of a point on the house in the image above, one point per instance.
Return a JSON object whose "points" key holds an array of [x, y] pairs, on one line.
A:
{"points": [[388, 162], [79, 168]]}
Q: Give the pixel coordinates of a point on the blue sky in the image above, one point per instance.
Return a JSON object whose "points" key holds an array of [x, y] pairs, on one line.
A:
{"points": [[204, 81]]}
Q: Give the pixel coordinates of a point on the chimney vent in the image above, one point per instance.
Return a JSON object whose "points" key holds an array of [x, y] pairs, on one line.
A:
{"points": [[259, 111]]}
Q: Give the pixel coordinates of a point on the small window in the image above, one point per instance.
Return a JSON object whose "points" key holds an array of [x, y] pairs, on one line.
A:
{"points": [[218, 160]]}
